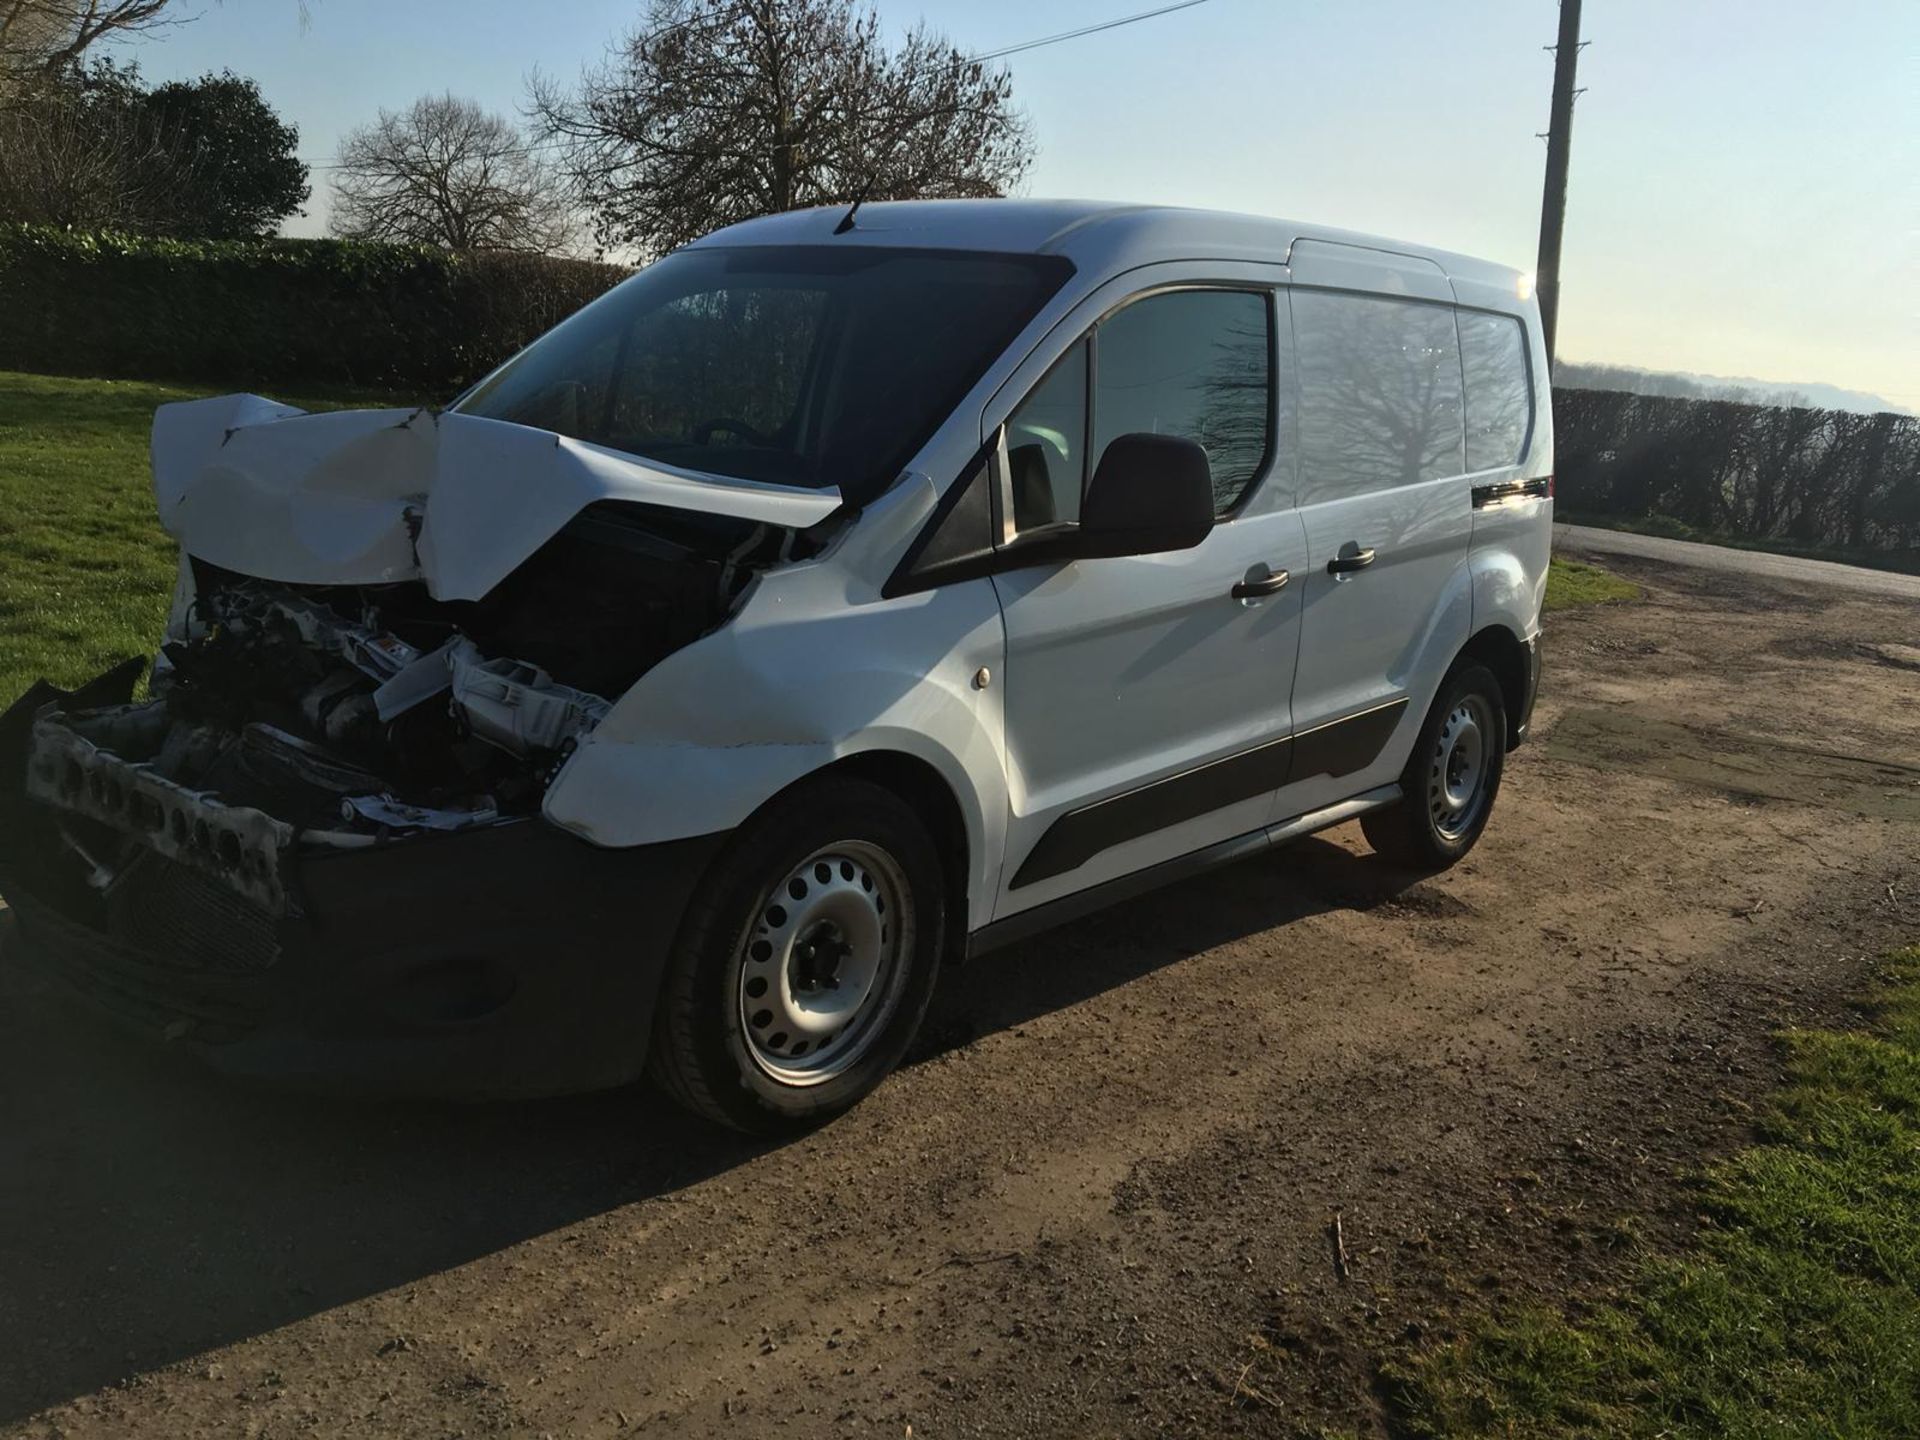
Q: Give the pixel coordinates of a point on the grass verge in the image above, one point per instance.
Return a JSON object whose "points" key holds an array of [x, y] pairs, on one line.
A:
{"points": [[85, 570], [1797, 1315], [1574, 582], [1904, 562]]}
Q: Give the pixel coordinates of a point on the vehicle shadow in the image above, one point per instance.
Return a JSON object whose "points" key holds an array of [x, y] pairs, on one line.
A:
{"points": [[150, 1211], [1076, 962]]}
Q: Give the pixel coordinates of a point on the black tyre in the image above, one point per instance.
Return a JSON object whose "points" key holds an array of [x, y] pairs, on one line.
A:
{"points": [[1451, 778], [806, 961]]}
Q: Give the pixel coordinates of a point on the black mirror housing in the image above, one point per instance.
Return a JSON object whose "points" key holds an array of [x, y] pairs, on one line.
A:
{"points": [[1151, 494]]}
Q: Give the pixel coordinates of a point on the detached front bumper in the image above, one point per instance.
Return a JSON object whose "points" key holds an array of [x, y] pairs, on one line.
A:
{"points": [[507, 960]]}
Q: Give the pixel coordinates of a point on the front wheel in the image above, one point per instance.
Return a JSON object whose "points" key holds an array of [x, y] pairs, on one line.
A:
{"points": [[1451, 778], [806, 961]]}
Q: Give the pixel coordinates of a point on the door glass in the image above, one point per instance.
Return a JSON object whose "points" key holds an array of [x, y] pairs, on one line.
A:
{"points": [[1493, 355], [1380, 401], [1047, 445], [1193, 363]]}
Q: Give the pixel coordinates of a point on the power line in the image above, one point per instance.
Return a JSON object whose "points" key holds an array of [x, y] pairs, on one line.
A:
{"points": [[976, 59], [1085, 30]]}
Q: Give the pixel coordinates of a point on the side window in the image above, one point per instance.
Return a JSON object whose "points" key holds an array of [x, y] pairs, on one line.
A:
{"points": [[1193, 363], [1380, 401], [1493, 355], [1047, 445]]}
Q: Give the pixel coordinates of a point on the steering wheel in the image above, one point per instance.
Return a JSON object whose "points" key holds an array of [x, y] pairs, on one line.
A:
{"points": [[704, 432]]}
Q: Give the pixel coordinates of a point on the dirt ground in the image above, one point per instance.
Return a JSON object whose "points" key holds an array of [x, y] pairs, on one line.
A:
{"points": [[1098, 1202]]}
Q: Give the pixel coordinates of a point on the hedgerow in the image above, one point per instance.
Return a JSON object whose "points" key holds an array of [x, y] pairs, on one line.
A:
{"points": [[302, 312]]}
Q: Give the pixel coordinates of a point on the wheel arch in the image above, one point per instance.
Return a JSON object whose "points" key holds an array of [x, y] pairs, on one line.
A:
{"points": [[1505, 654], [920, 783]]}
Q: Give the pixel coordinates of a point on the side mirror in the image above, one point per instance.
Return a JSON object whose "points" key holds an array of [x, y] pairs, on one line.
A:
{"points": [[1151, 494]]}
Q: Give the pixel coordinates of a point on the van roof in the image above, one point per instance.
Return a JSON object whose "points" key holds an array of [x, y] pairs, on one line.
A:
{"points": [[1092, 233]]}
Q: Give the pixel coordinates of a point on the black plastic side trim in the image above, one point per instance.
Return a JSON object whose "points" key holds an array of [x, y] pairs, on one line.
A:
{"points": [[1099, 897], [1344, 746], [1337, 748], [1079, 835], [957, 541], [1485, 495]]}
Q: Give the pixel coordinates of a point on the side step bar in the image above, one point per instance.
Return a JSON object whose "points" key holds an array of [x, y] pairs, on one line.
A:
{"points": [[1098, 897]]}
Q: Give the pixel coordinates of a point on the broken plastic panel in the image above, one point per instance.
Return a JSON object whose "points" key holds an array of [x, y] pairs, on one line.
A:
{"points": [[518, 706]]}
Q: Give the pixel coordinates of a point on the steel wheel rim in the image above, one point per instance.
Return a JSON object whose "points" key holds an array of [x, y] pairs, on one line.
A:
{"points": [[823, 962], [1461, 765]]}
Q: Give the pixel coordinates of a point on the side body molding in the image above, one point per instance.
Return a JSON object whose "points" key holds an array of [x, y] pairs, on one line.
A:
{"points": [[1336, 750]]}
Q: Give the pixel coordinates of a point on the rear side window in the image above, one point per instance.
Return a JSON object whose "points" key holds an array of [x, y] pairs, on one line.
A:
{"points": [[1192, 363], [1493, 356], [1380, 393]]}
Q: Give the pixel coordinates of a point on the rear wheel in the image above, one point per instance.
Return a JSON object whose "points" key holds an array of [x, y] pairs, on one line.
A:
{"points": [[1451, 777], [806, 961]]}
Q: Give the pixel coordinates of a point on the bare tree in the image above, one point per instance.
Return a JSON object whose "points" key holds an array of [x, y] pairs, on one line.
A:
{"points": [[41, 39], [44, 37], [445, 172], [78, 151], [721, 110]]}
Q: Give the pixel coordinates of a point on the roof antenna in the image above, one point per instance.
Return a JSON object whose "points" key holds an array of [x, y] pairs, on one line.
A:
{"points": [[884, 154], [846, 220]]}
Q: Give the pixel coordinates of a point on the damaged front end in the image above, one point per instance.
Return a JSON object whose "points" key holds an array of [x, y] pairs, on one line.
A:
{"points": [[316, 845]]}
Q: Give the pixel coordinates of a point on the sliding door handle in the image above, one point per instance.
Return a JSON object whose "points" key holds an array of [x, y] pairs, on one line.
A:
{"points": [[1350, 559], [1253, 588]]}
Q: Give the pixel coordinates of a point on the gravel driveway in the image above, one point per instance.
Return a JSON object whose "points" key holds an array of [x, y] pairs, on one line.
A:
{"points": [[1099, 1200]]}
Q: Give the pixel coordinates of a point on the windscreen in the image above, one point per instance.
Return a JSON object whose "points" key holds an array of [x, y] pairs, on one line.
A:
{"points": [[801, 365]]}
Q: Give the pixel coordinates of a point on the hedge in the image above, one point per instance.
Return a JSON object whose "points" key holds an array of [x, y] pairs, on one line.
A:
{"points": [[1812, 479], [289, 312]]}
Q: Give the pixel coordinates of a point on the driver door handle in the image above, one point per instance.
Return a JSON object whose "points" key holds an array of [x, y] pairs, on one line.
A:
{"points": [[1271, 584], [1350, 559]]}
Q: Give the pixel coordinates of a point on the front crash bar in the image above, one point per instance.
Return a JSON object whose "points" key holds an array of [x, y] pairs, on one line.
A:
{"points": [[243, 848]]}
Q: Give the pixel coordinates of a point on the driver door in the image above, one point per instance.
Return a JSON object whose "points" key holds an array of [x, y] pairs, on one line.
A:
{"points": [[1148, 697]]}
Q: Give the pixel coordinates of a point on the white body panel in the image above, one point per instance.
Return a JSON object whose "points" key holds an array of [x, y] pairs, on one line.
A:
{"points": [[816, 667], [1032, 692]]}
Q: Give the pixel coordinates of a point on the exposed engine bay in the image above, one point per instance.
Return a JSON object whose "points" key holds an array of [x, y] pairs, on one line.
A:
{"points": [[286, 716]]}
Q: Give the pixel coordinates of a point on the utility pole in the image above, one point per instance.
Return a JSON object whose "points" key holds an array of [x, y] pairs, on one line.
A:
{"points": [[1553, 203]]}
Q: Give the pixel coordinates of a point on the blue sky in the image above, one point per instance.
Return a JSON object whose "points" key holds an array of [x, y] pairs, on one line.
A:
{"points": [[1744, 196]]}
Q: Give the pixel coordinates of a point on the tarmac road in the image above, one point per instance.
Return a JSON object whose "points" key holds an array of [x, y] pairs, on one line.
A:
{"points": [[1757, 563]]}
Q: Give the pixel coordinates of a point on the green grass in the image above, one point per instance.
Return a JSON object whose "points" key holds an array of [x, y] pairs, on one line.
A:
{"points": [[1574, 582], [1798, 1313], [85, 570]]}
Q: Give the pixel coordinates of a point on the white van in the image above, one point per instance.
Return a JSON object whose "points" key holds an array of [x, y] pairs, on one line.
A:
{"points": [[826, 602]]}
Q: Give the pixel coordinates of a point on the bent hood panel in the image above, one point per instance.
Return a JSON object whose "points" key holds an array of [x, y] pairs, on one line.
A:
{"points": [[364, 497]]}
